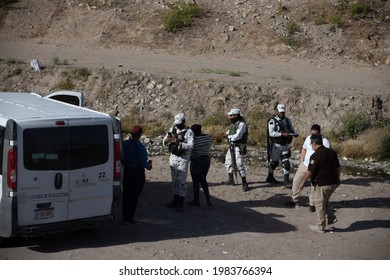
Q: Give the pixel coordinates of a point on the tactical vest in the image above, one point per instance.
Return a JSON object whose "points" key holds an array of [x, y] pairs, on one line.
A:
{"points": [[281, 127], [173, 147], [233, 130], [240, 143]]}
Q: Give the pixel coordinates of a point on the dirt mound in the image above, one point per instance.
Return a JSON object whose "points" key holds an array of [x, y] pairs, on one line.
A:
{"points": [[325, 30]]}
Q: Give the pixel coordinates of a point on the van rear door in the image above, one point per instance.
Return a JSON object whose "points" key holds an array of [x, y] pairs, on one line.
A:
{"points": [[91, 167], [67, 170], [43, 172]]}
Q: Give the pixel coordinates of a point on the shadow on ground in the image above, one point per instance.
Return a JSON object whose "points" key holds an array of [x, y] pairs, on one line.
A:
{"points": [[160, 223]]}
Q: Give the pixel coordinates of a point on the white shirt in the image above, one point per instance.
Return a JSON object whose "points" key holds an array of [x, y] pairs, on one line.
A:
{"points": [[309, 149]]}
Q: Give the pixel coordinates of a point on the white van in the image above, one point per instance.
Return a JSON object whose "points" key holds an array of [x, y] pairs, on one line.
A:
{"points": [[60, 166]]}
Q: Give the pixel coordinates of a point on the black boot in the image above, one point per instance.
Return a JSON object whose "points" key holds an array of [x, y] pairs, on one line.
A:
{"points": [[174, 203], [287, 182], [271, 179], [180, 204], [245, 187], [230, 180]]}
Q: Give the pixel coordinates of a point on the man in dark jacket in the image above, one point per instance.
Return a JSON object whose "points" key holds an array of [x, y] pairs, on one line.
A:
{"points": [[135, 159], [324, 174]]}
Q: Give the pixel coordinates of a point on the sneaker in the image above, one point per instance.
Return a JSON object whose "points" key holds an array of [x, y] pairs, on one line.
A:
{"points": [[290, 204], [316, 228], [312, 208], [332, 221]]}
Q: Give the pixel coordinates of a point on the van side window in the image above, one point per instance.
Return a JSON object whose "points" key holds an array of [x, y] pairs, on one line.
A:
{"points": [[63, 148], [2, 131], [74, 100]]}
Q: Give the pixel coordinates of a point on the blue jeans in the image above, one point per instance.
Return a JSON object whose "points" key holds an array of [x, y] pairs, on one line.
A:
{"points": [[199, 168]]}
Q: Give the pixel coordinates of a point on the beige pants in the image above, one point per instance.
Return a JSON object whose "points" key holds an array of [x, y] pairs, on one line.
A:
{"points": [[297, 181], [321, 202]]}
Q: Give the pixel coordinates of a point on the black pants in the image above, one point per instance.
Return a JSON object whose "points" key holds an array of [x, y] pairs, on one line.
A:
{"points": [[133, 184], [199, 168]]}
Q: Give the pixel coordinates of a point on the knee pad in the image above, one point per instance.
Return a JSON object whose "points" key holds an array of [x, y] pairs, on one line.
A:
{"points": [[286, 164], [286, 155]]}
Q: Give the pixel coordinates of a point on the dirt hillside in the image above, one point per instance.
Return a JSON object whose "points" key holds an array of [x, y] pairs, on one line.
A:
{"points": [[235, 49], [133, 63]]}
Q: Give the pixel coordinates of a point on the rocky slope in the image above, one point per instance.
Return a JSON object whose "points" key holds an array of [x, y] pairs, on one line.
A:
{"points": [[326, 72]]}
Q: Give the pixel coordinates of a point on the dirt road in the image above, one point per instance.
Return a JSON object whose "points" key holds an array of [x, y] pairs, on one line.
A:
{"points": [[310, 74]]}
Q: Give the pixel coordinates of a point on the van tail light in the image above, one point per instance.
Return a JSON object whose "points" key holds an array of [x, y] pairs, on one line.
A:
{"points": [[11, 169], [117, 159]]}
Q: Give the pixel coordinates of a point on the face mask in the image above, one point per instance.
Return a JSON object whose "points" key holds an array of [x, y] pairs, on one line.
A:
{"points": [[181, 126], [233, 120]]}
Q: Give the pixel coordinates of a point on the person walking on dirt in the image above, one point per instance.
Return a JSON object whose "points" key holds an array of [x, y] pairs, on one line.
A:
{"points": [[180, 141], [135, 162], [280, 133], [200, 164], [237, 136], [306, 153], [324, 174]]}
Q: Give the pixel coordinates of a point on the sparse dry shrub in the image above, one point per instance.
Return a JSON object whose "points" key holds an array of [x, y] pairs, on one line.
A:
{"points": [[217, 132], [257, 128], [376, 142], [353, 123], [219, 118], [291, 27], [320, 20], [360, 7], [353, 148], [65, 84], [372, 143], [180, 15], [154, 128]]}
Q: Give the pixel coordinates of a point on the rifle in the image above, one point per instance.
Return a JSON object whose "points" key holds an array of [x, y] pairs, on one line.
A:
{"points": [[233, 157], [269, 145]]}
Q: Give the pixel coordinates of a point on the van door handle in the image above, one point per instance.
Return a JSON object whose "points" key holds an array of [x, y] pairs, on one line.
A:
{"points": [[58, 181]]}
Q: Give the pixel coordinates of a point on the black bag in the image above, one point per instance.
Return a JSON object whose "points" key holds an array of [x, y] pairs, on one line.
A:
{"points": [[174, 149]]}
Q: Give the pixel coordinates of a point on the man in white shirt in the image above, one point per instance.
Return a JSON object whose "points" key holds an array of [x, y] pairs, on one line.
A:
{"points": [[306, 152]]}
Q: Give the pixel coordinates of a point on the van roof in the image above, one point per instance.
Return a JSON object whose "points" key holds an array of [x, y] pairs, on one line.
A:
{"points": [[19, 106]]}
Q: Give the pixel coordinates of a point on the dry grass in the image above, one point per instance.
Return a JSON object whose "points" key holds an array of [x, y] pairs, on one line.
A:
{"points": [[353, 148], [372, 143], [217, 132]]}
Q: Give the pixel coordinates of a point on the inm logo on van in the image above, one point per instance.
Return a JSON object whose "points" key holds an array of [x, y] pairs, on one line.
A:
{"points": [[82, 181]]}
